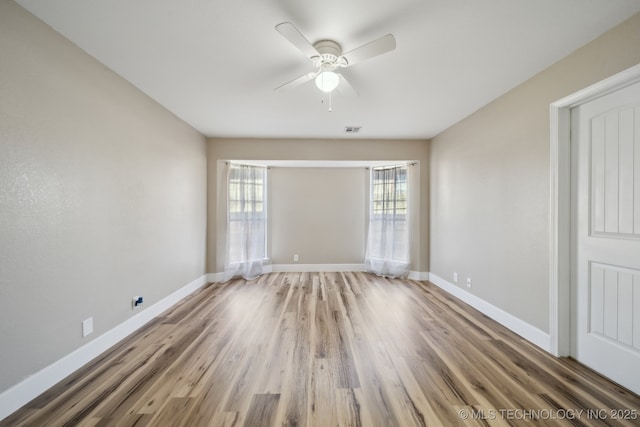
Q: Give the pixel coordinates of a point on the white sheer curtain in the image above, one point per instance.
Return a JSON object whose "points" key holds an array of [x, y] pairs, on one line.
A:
{"points": [[387, 251], [246, 221]]}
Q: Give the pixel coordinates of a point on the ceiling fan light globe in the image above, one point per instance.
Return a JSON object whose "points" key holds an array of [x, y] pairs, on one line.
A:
{"points": [[327, 81]]}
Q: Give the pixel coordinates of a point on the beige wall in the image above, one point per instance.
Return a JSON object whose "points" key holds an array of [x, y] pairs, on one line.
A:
{"points": [[490, 181], [102, 197], [273, 149], [317, 213]]}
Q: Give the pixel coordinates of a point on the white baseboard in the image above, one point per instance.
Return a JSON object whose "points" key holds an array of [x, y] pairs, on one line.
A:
{"points": [[22, 393], [421, 276], [307, 268], [519, 326], [215, 277]]}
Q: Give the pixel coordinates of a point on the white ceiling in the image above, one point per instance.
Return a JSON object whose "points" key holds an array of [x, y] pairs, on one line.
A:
{"points": [[215, 63]]}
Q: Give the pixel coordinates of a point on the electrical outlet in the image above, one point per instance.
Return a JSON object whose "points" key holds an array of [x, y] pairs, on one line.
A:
{"points": [[136, 302], [455, 277], [296, 258], [468, 282], [87, 326]]}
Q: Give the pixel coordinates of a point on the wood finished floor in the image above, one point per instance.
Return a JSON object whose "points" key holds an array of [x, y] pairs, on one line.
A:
{"points": [[327, 349]]}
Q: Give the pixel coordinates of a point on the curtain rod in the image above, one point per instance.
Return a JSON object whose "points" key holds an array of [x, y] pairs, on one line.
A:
{"points": [[227, 162], [398, 165], [390, 165]]}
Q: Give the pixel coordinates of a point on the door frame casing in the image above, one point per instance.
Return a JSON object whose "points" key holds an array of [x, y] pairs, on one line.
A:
{"points": [[560, 312]]}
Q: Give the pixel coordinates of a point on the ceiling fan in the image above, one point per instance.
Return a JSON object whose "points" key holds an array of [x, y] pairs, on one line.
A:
{"points": [[326, 57]]}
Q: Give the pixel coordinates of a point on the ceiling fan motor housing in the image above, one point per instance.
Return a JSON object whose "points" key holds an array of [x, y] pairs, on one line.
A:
{"points": [[330, 52]]}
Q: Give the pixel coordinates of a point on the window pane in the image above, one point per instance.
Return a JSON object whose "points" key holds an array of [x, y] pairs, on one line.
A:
{"points": [[389, 192]]}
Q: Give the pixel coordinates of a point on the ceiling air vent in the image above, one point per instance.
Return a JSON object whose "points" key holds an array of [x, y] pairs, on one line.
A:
{"points": [[352, 129]]}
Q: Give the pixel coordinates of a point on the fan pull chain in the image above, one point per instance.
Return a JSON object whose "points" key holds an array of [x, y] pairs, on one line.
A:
{"points": [[330, 103]]}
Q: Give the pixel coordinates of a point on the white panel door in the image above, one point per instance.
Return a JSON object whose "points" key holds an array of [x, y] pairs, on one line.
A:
{"points": [[605, 140]]}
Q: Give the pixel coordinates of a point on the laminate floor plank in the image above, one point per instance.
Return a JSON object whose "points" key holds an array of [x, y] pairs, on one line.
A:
{"points": [[321, 406], [350, 409], [327, 349], [262, 410]]}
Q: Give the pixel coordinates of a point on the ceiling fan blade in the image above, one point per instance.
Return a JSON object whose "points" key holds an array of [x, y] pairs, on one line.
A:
{"points": [[295, 37], [345, 87], [377, 47], [297, 82]]}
